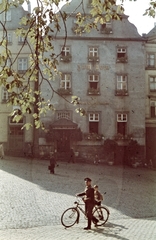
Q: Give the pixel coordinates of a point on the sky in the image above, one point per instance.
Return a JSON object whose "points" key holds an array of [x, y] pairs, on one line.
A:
{"points": [[135, 11]]}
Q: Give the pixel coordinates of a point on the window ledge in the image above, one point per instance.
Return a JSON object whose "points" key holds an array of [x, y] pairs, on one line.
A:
{"points": [[122, 60], [63, 91], [65, 58], [106, 31], [22, 71], [93, 59], [121, 93]]}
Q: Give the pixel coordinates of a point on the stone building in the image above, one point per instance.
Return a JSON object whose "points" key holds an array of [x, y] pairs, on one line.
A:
{"points": [[106, 70], [13, 138], [150, 78]]}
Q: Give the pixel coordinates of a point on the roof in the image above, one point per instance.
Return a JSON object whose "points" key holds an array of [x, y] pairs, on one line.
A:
{"points": [[64, 124], [152, 32]]}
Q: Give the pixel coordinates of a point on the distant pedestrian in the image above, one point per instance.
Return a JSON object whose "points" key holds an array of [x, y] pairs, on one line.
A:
{"points": [[52, 163], [1, 151], [72, 156], [96, 161]]}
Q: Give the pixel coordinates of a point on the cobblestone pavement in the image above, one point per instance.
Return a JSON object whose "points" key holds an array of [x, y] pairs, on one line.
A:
{"points": [[32, 200]]}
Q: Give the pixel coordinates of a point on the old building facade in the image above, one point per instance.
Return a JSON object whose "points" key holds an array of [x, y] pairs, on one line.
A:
{"points": [[106, 70], [111, 71], [150, 77], [12, 136]]}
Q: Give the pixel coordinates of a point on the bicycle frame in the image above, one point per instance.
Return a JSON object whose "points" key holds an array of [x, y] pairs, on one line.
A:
{"points": [[79, 209]]}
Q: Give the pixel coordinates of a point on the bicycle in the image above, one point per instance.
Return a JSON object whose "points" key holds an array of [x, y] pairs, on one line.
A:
{"points": [[71, 215]]}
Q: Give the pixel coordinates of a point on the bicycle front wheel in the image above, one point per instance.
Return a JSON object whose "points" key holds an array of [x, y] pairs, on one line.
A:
{"points": [[69, 217], [101, 214]]}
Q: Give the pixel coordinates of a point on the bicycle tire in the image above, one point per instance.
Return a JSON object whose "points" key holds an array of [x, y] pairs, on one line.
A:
{"points": [[70, 217], [101, 214]]}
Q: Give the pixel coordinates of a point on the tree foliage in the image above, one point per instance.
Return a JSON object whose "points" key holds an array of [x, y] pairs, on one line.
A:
{"points": [[38, 30]]}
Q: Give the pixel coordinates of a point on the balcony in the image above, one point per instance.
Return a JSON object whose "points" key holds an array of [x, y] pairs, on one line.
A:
{"points": [[93, 59], [66, 58], [121, 92], [93, 91], [63, 91]]}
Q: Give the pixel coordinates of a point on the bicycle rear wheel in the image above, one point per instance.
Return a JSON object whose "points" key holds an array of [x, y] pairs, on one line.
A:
{"points": [[101, 214], [69, 217]]}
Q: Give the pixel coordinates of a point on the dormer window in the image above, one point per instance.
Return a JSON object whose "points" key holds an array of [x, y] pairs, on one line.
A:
{"points": [[106, 28]]}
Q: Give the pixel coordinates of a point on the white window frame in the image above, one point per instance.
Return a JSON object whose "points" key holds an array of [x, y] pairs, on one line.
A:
{"points": [[122, 117], [150, 60], [22, 64], [65, 51], [93, 52], [65, 82], [93, 117], [8, 62], [122, 50], [121, 82], [153, 104], [93, 78], [21, 39], [9, 37], [152, 83]]}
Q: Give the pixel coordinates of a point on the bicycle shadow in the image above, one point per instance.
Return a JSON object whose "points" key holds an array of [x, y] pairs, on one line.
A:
{"points": [[111, 230]]}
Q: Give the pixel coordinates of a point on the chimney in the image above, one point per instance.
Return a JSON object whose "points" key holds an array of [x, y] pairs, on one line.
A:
{"points": [[29, 6]]}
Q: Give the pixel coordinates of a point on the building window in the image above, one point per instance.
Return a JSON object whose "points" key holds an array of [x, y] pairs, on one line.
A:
{"points": [[65, 51], [65, 54], [65, 81], [4, 95], [22, 65], [153, 109], [121, 85], [150, 60], [121, 54], [93, 123], [93, 84], [63, 114], [122, 123], [21, 40], [93, 54], [8, 62], [152, 83], [9, 38]]}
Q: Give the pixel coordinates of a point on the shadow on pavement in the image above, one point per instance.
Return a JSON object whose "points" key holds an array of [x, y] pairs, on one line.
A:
{"points": [[130, 191]]}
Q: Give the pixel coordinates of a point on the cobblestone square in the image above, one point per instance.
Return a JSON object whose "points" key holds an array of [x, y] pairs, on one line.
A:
{"points": [[32, 200]]}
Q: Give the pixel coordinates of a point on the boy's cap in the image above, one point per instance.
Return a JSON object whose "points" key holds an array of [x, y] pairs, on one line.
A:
{"points": [[87, 179]]}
